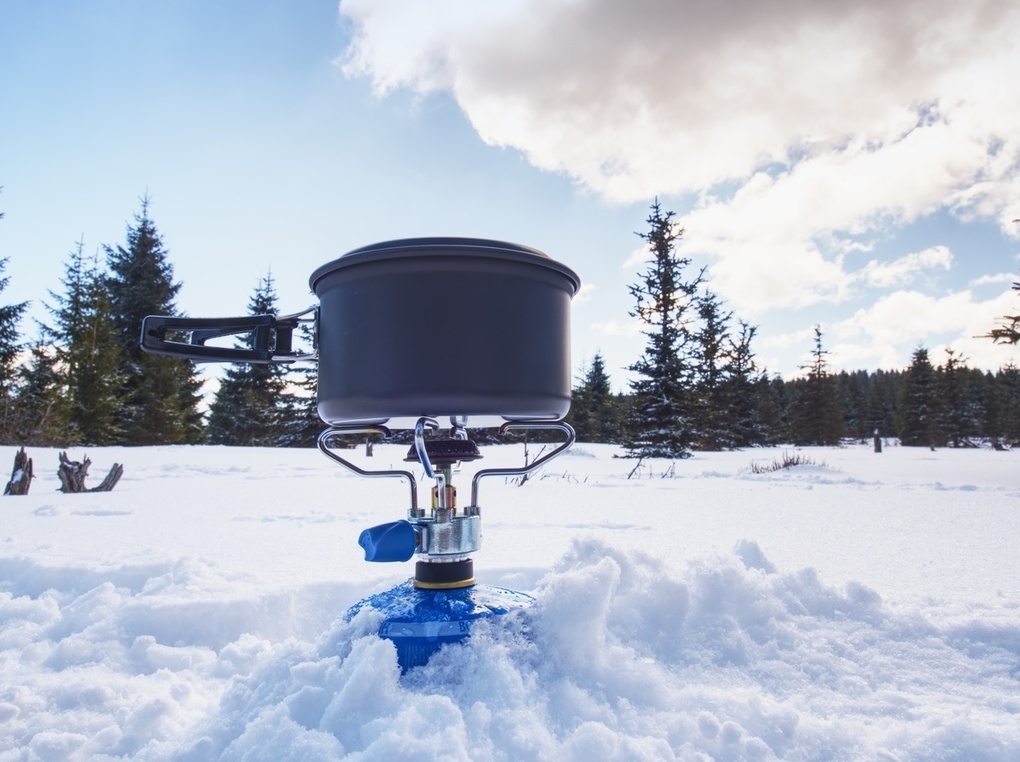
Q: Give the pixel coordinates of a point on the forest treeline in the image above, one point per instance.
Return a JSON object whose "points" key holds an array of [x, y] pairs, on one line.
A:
{"points": [[699, 387], [83, 379], [924, 405]]}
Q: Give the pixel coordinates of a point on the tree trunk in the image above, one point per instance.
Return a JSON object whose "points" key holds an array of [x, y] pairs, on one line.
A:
{"points": [[21, 476], [72, 475]]}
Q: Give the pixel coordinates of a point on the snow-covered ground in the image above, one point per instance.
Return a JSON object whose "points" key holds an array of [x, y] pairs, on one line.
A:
{"points": [[865, 607]]}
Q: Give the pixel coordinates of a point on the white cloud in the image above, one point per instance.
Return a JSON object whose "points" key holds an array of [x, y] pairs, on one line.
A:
{"points": [[757, 276], [884, 334], [986, 280], [802, 219], [656, 96], [617, 328], [903, 270], [585, 293], [638, 257], [788, 340]]}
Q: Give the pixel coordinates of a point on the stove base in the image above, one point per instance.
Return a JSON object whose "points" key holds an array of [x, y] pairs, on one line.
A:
{"points": [[420, 622]]}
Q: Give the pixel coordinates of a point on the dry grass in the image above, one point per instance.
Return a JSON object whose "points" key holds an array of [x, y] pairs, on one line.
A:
{"points": [[789, 460]]}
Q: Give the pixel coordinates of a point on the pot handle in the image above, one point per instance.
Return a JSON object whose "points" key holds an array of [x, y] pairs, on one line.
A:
{"points": [[271, 337]]}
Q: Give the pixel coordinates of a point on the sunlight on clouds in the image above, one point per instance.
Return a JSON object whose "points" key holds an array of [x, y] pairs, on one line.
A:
{"points": [[903, 270], [756, 277], [885, 334], [815, 207], [659, 97], [802, 337], [887, 331], [906, 316], [398, 43], [991, 280], [641, 255]]}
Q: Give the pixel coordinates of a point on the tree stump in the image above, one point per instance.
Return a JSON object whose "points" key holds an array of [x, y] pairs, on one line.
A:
{"points": [[72, 475], [21, 476]]}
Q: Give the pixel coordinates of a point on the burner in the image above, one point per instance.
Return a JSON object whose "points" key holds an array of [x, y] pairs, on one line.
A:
{"points": [[438, 605], [429, 575], [445, 452]]}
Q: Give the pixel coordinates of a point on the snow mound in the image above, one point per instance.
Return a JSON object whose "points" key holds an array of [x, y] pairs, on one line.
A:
{"points": [[620, 659]]}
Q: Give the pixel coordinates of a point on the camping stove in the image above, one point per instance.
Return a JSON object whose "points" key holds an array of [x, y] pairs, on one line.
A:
{"points": [[439, 604], [501, 311]]}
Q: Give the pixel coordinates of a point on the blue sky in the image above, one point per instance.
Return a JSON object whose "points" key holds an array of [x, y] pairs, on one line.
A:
{"points": [[859, 169]]}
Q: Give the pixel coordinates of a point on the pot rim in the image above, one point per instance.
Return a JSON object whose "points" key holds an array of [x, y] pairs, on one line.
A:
{"points": [[448, 247]]}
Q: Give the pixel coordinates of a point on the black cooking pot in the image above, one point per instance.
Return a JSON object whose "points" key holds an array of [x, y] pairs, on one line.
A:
{"points": [[420, 327]]}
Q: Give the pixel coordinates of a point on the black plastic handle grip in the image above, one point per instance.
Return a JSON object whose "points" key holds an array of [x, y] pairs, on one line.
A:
{"points": [[271, 337]]}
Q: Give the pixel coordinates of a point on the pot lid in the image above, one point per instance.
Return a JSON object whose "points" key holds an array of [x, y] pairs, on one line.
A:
{"points": [[455, 247]]}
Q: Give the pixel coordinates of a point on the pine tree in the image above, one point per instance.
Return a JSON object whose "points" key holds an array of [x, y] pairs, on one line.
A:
{"points": [[816, 417], [918, 408], [247, 408], [746, 422], [44, 412], [712, 414], [88, 353], [579, 416], [10, 346], [299, 412], [771, 400], [852, 390], [159, 395], [662, 422], [957, 410], [1008, 383], [882, 395], [593, 409]]}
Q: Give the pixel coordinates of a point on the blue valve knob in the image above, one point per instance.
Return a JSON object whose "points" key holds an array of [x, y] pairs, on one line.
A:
{"points": [[395, 541]]}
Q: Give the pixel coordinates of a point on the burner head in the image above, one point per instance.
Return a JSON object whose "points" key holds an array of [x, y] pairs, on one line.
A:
{"points": [[446, 452]]}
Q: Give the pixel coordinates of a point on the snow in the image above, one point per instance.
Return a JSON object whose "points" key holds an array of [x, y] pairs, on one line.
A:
{"points": [[864, 607]]}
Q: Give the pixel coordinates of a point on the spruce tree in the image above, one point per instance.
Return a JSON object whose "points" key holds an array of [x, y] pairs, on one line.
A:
{"points": [[771, 401], [158, 395], [1008, 383], [593, 409], [10, 346], [579, 416], [662, 419], [299, 412], [247, 408], [816, 418], [882, 395], [852, 392], [745, 419], [712, 414], [43, 410], [957, 410], [918, 414], [88, 353]]}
